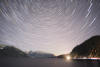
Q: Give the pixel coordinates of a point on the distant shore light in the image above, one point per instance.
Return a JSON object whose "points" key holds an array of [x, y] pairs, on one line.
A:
{"points": [[68, 57]]}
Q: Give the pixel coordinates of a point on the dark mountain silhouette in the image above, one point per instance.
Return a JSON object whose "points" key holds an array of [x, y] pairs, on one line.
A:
{"points": [[10, 51], [61, 56], [90, 48], [39, 54]]}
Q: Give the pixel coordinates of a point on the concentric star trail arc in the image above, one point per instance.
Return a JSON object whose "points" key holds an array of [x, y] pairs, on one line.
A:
{"points": [[54, 26]]}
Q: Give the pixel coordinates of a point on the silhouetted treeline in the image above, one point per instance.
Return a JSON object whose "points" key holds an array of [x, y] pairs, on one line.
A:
{"points": [[90, 48]]}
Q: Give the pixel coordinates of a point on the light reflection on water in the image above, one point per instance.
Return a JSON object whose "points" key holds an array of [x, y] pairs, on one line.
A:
{"points": [[50, 62]]}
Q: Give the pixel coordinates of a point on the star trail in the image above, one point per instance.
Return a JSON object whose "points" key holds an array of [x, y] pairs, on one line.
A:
{"points": [[54, 26]]}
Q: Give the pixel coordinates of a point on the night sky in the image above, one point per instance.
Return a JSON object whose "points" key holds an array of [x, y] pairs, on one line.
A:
{"points": [[54, 26]]}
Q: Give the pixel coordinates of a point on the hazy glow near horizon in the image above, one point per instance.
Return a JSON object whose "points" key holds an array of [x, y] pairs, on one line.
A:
{"points": [[54, 26]]}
